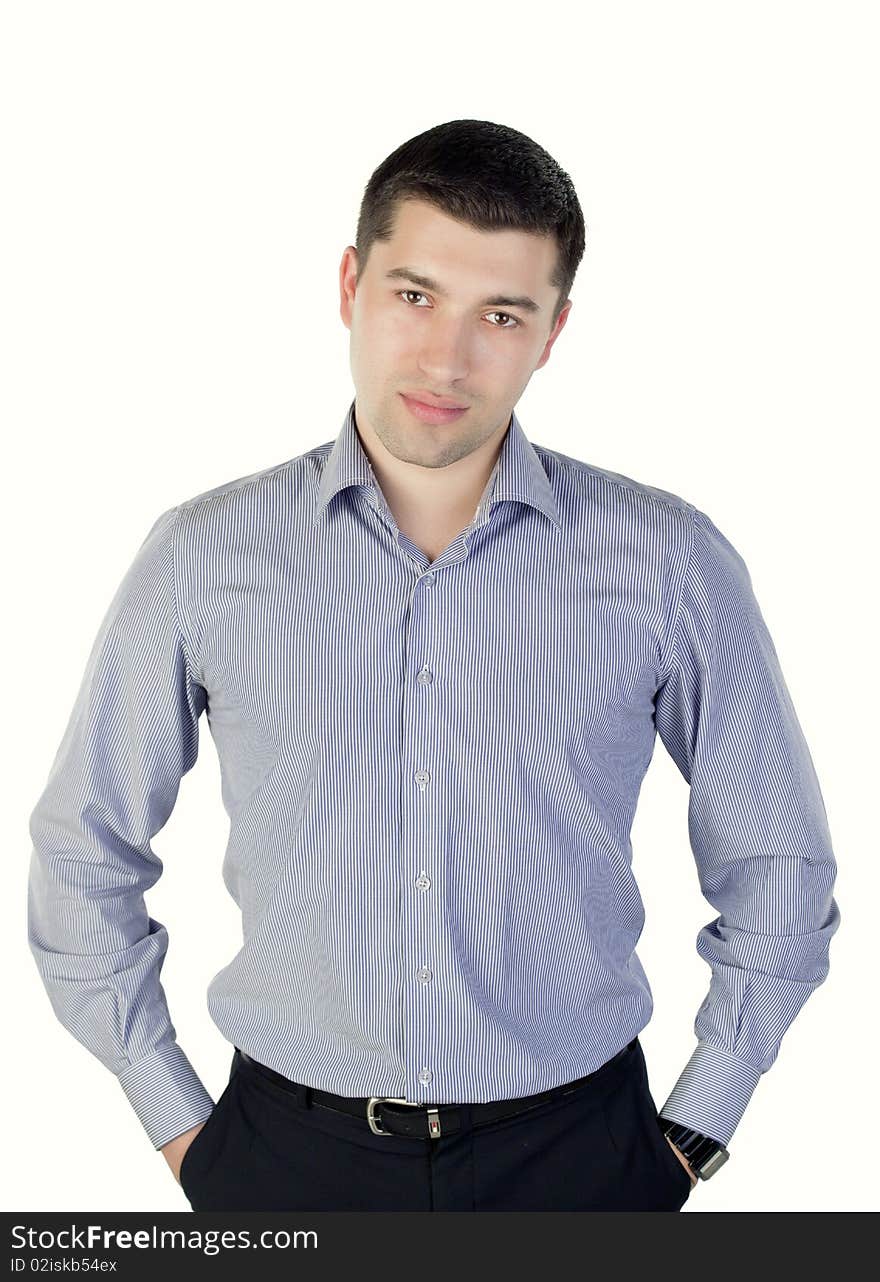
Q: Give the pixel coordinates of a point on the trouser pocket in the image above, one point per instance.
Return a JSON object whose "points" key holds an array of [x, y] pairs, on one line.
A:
{"points": [[651, 1176], [204, 1148]]}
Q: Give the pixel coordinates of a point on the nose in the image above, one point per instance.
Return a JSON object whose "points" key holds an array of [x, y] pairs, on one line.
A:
{"points": [[444, 359]]}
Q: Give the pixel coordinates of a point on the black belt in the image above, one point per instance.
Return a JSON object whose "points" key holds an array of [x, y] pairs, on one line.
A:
{"points": [[425, 1121]]}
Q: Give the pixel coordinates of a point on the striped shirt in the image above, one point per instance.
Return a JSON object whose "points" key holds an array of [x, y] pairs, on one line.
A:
{"points": [[431, 770]]}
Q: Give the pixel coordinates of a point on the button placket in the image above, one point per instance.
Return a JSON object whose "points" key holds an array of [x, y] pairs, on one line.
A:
{"points": [[416, 829]]}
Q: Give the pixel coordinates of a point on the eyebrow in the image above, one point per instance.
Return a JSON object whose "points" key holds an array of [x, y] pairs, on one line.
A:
{"points": [[499, 300]]}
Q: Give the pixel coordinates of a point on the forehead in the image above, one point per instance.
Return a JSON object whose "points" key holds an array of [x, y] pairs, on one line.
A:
{"points": [[432, 242]]}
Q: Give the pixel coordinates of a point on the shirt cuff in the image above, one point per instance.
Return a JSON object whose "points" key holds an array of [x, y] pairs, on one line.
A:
{"points": [[166, 1093], [712, 1092]]}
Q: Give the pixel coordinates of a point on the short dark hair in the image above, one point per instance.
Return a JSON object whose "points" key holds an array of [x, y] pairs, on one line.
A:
{"points": [[488, 175]]}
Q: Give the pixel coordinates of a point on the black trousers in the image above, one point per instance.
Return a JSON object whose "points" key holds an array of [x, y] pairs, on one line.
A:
{"points": [[594, 1145]]}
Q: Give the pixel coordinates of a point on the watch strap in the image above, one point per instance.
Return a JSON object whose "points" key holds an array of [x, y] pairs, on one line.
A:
{"points": [[703, 1154]]}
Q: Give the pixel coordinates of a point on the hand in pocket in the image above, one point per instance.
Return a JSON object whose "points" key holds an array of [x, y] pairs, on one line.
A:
{"points": [[681, 1157], [175, 1150]]}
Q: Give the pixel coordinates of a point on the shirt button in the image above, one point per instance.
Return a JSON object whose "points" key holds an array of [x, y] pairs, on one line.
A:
{"points": [[421, 776], [423, 882], [425, 677], [424, 975], [428, 579], [425, 1076]]}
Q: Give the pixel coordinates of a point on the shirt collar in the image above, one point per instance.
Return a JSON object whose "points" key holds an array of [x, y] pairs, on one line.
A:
{"points": [[518, 473]]}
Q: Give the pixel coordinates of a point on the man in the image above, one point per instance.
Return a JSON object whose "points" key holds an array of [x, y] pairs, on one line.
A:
{"points": [[431, 773]]}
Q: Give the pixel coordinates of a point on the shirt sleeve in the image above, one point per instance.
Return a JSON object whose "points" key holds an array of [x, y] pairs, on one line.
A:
{"points": [[132, 735], [757, 828]]}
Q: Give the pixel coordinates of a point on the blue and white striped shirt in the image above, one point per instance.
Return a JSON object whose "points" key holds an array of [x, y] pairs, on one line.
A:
{"points": [[431, 776]]}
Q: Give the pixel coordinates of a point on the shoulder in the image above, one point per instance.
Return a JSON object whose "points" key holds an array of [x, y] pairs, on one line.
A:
{"points": [[256, 496], [583, 489]]}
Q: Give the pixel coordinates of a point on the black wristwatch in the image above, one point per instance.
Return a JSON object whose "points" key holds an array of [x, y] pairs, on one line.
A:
{"points": [[703, 1154]]}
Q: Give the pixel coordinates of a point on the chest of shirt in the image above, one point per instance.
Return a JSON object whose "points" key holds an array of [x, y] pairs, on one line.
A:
{"points": [[520, 655]]}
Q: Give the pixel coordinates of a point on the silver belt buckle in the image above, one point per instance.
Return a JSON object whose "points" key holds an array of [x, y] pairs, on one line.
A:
{"points": [[433, 1116]]}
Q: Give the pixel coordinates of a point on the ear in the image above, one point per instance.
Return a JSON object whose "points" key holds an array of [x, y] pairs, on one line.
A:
{"points": [[347, 275], [557, 329]]}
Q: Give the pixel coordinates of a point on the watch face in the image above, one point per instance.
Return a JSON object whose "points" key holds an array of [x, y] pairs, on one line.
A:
{"points": [[711, 1164]]}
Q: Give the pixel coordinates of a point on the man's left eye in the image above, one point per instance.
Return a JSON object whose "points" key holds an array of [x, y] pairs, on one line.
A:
{"points": [[510, 318]]}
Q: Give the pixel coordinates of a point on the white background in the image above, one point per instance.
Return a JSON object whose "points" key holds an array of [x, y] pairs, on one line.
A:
{"points": [[180, 182]]}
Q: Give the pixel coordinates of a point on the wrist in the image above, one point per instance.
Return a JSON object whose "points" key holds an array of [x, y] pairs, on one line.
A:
{"points": [[703, 1154], [180, 1142]]}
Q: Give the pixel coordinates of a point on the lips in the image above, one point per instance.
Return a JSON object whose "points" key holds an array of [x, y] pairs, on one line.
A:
{"points": [[436, 402], [432, 413]]}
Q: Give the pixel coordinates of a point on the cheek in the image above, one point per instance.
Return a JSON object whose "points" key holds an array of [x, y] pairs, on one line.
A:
{"points": [[376, 349], [388, 335], [510, 362]]}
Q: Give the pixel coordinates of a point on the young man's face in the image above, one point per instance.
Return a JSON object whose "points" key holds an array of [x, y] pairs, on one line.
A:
{"points": [[445, 340]]}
